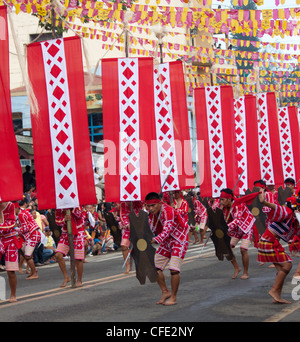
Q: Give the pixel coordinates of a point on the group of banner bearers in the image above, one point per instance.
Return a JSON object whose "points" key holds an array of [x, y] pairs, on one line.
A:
{"points": [[169, 224], [170, 227]]}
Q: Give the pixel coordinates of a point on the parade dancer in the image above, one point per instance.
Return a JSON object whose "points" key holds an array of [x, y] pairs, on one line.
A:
{"points": [[200, 218], [9, 245], [290, 183], [270, 198], [125, 225], [181, 205], [30, 231], [77, 220], [171, 236], [284, 226], [240, 227]]}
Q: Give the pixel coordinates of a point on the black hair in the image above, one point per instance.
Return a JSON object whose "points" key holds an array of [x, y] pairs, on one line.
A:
{"points": [[22, 202], [152, 195], [290, 180], [260, 181], [228, 191]]}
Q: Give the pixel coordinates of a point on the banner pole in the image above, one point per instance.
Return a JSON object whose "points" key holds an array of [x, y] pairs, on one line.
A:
{"points": [[71, 249]]}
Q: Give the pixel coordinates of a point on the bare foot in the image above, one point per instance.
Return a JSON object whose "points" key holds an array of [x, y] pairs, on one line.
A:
{"points": [[32, 276], [276, 297], [165, 296], [79, 283], [65, 282], [236, 272], [21, 271], [12, 299], [296, 275], [244, 276], [171, 301], [127, 269]]}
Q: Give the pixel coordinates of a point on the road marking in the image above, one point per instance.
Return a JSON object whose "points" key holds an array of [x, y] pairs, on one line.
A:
{"points": [[59, 290], [283, 313]]}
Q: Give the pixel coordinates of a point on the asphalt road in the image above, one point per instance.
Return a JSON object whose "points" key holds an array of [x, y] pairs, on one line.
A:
{"points": [[206, 294]]}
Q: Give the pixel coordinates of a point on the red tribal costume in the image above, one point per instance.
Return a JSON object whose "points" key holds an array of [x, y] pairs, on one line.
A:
{"points": [[200, 213], [77, 220], [29, 230], [182, 209], [8, 239], [283, 226], [124, 219], [240, 224], [271, 198], [172, 238]]}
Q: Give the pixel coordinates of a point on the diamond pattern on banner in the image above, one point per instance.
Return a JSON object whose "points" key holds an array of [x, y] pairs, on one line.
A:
{"points": [[128, 72], [164, 127], [60, 124], [241, 142], [266, 163], [286, 145], [216, 143]]}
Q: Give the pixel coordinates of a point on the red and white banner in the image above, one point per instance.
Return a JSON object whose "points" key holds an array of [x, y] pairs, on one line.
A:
{"points": [[11, 181], [268, 136], [215, 129], [172, 127], [63, 161], [289, 142], [146, 130], [131, 162], [246, 142]]}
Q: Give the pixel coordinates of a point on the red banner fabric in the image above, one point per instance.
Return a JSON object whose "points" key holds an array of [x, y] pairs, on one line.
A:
{"points": [[268, 133], [215, 133], [289, 142], [246, 142], [11, 182], [131, 168], [63, 161]]}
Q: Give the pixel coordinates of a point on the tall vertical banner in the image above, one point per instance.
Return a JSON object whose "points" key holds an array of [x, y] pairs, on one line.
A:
{"points": [[215, 128], [63, 161], [268, 135], [172, 127], [11, 181], [131, 163], [289, 142], [246, 142]]}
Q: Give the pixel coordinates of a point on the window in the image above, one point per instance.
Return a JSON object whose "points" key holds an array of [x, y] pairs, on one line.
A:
{"points": [[95, 121], [17, 121]]}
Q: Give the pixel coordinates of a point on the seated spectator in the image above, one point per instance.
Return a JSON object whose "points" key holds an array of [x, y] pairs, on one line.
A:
{"points": [[49, 247]]}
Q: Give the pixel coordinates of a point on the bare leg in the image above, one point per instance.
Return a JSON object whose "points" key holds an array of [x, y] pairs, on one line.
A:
{"points": [[125, 252], [162, 284], [283, 270], [79, 266], [175, 280], [62, 265], [245, 260], [33, 274], [20, 264], [237, 269], [12, 279]]}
